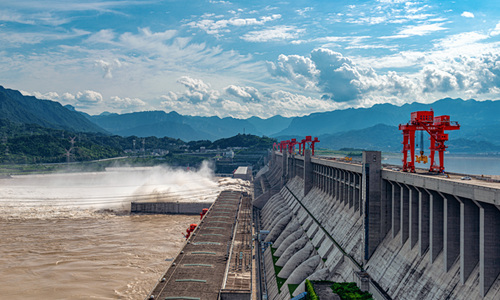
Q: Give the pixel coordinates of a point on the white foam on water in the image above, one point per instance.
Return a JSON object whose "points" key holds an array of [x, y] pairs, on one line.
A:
{"points": [[81, 194]]}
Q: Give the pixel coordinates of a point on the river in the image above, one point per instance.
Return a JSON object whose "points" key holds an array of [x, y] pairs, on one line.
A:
{"points": [[70, 236]]}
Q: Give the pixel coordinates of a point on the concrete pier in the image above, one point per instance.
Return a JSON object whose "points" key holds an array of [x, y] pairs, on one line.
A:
{"points": [[217, 260], [177, 207]]}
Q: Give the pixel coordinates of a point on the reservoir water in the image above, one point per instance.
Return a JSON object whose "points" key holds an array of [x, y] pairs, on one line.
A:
{"points": [[70, 236], [465, 164]]}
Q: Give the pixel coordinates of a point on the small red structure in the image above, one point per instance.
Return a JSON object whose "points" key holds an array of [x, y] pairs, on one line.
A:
{"points": [[290, 145], [283, 145], [311, 142], [435, 126], [203, 212], [190, 229]]}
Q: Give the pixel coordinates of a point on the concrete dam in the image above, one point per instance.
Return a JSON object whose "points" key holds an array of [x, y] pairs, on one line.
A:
{"points": [[397, 235]]}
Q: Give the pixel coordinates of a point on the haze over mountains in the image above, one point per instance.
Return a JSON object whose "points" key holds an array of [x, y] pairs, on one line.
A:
{"points": [[368, 128]]}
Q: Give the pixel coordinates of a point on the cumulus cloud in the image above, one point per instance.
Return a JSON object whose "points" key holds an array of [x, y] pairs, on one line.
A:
{"points": [[42, 96], [467, 14], [197, 91], [216, 26], [496, 30], [245, 93], [295, 68], [85, 99], [126, 102], [276, 33], [241, 101], [326, 71], [338, 78], [107, 67], [88, 98], [438, 80]]}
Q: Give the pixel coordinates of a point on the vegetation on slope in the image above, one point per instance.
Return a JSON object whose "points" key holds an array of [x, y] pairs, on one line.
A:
{"points": [[33, 144]]}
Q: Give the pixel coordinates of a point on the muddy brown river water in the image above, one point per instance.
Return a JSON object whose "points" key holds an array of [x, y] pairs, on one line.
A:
{"points": [[70, 236], [103, 256]]}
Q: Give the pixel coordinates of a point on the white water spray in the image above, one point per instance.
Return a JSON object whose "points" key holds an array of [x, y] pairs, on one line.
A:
{"points": [[81, 194]]}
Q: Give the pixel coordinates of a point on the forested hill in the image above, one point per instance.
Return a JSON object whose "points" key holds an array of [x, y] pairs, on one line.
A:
{"points": [[32, 143], [29, 110]]}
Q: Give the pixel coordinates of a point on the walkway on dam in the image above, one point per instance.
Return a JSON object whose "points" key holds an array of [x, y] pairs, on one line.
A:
{"points": [[217, 258]]}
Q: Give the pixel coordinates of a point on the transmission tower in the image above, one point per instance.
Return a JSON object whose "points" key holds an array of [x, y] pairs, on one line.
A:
{"points": [[68, 154]]}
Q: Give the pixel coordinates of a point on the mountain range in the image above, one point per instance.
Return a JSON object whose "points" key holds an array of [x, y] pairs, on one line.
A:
{"points": [[29, 110], [369, 128]]}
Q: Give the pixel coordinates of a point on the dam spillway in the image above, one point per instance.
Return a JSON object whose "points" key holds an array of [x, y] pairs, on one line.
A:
{"points": [[398, 235]]}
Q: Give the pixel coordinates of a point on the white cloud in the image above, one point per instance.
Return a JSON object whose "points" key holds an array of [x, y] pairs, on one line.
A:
{"points": [[420, 30], [42, 96], [17, 39], [197, 91], [496, 30], [88, 98], [246, 101], [107, 67], [303, 11], [467, 14], [126, 102], [147, 40], [329, 72], [215, 27], [105, 36], [245, 93], [220, 2], [276, 33], [296, 69], [438, 80]]}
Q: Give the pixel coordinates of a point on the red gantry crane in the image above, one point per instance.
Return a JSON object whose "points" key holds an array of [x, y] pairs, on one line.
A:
{"points": [[290, 145], [435, 126]]}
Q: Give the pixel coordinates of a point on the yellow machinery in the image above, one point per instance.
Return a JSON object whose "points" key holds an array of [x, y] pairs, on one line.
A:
{"points": [[422, 158]]}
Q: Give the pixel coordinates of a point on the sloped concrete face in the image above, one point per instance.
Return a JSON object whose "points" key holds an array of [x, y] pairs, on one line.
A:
{"points": [[292, 250], [290, 228], [278, 228], [318, 275], [303, 270], [294, 261], [292, 238], [277, 218], [271, 218]]}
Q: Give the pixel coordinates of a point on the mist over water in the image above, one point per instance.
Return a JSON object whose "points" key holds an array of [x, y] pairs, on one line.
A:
{"points": [[82, 194], [71, 236]]}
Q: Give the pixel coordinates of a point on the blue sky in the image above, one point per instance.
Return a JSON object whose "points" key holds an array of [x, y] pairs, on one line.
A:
{"points": [[249, 58]]}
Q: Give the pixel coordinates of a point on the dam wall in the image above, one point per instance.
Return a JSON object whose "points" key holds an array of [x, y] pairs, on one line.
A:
{"points": [[398, 235]]}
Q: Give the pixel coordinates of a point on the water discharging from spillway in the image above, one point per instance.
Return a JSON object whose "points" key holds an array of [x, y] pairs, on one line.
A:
{"points": [[70, 235]]}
